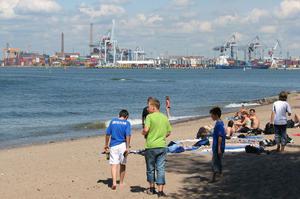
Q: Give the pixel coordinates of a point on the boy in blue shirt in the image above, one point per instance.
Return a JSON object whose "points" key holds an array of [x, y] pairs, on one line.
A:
{"points": [[218, 145], [118, 135]]}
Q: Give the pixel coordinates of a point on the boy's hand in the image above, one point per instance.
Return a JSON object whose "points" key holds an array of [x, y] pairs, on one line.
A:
{"points": [[126, 153], [106, 148]]}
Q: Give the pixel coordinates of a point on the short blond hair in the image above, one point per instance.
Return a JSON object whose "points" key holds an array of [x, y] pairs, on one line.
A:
{"points": [[154, 102]]}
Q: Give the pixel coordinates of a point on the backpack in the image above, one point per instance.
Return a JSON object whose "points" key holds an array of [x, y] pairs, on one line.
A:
{"points": [[290, 124], [269, 129], [253, 149], [256, 131]]}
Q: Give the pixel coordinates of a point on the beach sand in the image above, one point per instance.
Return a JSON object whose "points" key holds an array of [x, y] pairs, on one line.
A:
{"points": [[75, 169]]}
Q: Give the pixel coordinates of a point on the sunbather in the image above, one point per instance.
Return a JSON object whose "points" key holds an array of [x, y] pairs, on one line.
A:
{"points": [[255, 122], [230, 130], [244, 125]]}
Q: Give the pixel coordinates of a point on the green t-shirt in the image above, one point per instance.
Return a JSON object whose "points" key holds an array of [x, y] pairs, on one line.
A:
{"points": [[159, 126]]}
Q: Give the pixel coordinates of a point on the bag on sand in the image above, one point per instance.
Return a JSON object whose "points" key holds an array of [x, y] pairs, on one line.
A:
{"points": [[290, 124], [269, 129], [253, 149]]}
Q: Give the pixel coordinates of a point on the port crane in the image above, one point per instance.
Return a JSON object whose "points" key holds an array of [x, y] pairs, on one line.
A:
{"points": [[230, 44], [272, 51], [253, 46]]}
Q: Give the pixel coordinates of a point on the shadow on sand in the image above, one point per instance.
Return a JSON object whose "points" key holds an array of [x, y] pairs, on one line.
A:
{"points": [[107, 182], [245, 176]]}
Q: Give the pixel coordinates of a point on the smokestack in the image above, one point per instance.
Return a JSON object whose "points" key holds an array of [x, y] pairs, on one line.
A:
{"points": [[62, 44], [91, 38]]}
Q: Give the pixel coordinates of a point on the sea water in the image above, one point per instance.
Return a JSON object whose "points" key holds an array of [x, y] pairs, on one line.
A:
{"points": [[49, 104]]}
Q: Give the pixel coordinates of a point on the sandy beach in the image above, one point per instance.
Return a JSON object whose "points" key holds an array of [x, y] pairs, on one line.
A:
{"points": [[76, 169]]}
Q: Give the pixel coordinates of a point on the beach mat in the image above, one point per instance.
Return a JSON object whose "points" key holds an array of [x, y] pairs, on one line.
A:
{"points": [[296, 134]]}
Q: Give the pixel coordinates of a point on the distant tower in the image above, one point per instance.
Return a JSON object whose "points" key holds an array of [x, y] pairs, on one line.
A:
{"points": [[91, 38], [62, 45]]}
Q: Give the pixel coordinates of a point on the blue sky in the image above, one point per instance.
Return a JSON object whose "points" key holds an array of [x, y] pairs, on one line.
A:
{"points": [[173, 27]]}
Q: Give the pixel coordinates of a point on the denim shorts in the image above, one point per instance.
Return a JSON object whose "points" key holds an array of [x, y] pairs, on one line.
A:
{"points": [[155, 164], [280, 134]]}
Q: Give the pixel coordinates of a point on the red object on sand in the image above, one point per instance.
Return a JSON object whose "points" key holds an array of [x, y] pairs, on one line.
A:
{"points": [[296, 134]]}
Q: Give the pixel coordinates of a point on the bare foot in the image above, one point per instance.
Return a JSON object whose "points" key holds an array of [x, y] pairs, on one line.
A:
{"points": [[114, 187], [122, 185]]}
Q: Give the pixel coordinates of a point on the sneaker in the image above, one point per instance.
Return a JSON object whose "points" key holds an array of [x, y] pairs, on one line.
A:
{"points": [[161, 194]]}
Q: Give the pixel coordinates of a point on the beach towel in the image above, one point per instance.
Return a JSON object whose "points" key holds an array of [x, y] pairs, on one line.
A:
{"points": [[175, 147], [202, 142], [296, 134]]}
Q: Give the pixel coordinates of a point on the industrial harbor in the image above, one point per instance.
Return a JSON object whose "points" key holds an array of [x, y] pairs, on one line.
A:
{"points": [[106, 52]]}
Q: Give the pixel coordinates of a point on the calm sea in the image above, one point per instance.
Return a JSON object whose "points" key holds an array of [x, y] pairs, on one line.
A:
{"points": [[42, 105]]}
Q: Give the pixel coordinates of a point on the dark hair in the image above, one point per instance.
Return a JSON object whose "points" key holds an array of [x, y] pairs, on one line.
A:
{"points": [[253, 110], [154, 102], [124, 113], [167, 97], [283, 96], [216, 111], [230, 123], [149, 98]]}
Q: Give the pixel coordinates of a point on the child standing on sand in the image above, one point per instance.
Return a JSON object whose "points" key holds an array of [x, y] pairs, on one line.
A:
{"points": [[118, 136], [218, 146], [168, 106], [279, 119], [157, 128]]}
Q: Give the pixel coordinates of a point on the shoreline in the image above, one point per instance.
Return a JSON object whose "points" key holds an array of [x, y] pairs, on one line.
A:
{"points": [[135, 129], [77, 169]]}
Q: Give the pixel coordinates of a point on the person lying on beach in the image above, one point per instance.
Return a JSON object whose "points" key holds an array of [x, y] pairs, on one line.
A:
{"points": [[157, 129], [296, 120], [243, 126], [204, 132], [118, 135], [294, 123], [218, 145]]}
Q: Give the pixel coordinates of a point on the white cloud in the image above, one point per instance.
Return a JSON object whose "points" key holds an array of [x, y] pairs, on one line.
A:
{"points": [[255, 15], [194, 26], [7, 9], [226, 19], [38, 6], [268, 29], [142, 20], [252, 17], [103, 10], [288, 8], [10, 8], [181, 2]]}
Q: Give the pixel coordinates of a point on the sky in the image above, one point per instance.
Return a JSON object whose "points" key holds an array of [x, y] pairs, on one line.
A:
{"points": [[160, 27]]}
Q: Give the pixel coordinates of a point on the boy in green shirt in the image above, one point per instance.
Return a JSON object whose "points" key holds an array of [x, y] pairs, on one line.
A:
{"points": [[157, 128]]}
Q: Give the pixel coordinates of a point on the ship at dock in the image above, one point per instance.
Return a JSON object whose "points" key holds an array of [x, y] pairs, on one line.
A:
{"points": [[253, 54]]}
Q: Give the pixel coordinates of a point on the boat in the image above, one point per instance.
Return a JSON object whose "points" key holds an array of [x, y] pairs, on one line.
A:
{"points": [[224, 62]]}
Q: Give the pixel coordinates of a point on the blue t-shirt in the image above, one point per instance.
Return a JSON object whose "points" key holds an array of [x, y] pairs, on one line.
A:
{"points": [[219, 130], [118, 130]]}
